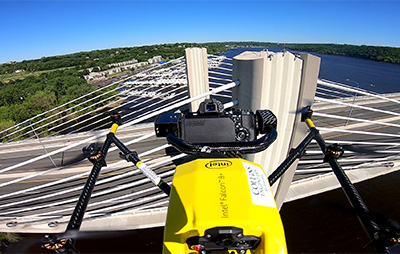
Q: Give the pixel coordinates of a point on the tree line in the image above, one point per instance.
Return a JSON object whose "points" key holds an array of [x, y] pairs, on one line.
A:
{"points": [[376, 53], [101, 58]]}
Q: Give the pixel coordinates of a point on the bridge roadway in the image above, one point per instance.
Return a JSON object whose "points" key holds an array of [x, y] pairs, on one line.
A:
{"points": [[125, 194]]}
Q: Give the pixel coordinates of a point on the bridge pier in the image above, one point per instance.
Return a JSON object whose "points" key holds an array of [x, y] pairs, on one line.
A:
{"points": [[197, 74], [283, 83]]}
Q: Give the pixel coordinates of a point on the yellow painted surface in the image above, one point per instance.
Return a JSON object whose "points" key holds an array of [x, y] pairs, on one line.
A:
{"points": [[209, 193], [114, 128]]}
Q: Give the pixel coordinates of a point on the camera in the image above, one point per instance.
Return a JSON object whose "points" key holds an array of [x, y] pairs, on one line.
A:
{"points": [[210, 124]]}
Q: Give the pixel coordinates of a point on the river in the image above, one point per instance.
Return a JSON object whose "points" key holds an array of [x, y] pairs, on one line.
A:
{"points": [[370, 75]]}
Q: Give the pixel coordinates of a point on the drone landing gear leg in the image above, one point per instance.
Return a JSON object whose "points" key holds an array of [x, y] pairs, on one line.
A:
{"points": [[383, 241], [65, 242]]}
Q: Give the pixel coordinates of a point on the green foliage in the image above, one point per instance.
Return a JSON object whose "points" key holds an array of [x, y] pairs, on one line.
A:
{"points": [[5, 124], [23, 99], [101, 58], [382, 54], [6, 239]]}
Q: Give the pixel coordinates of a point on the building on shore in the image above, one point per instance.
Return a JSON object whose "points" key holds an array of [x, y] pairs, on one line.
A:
{"points": [[120, 67]]}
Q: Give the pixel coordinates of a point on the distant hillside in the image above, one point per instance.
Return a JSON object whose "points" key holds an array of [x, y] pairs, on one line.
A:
{"points": [[382, 54], [376, 53], [102, 58]]}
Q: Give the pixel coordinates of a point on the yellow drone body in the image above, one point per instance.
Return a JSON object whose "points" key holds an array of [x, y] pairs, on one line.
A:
{"points": [[220, 205]]}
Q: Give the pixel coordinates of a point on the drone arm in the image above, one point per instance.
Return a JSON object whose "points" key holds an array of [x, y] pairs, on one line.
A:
{"points": [[59, 243], [383, 241], [331, 156], [98, 161], [77, 216]]}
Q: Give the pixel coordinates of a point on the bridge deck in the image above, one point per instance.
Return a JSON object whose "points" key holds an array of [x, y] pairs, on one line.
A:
{"points": [[123, 198]]}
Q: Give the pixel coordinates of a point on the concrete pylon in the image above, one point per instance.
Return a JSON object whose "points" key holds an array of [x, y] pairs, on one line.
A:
{"points": [[283, 83], [197, 74]]}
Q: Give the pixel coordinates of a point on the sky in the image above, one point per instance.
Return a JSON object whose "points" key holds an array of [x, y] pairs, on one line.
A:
{"points": [[35, 29]]}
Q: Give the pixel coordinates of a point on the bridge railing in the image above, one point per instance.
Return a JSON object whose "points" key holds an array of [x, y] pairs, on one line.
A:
{"points": [[365, 123]]}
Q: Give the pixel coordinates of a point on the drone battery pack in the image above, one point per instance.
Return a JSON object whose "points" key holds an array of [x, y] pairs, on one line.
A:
{"points": [[214, 199]]}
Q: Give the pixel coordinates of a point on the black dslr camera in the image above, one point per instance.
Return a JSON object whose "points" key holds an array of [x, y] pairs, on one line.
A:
{"points": [[212, 124]]}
